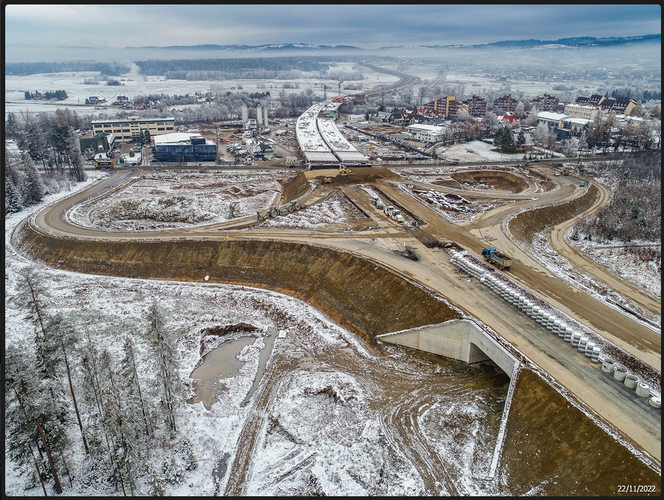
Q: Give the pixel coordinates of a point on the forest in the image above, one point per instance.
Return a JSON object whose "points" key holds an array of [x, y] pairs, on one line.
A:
{"points": [[247, 65], [635, 210], [22, 69]]}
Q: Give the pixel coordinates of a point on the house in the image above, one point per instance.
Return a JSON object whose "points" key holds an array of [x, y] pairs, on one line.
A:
{"points": [[508, 119], [101, 142]]}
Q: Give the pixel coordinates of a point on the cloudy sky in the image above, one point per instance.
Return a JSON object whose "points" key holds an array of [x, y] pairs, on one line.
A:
{"points": [[31, 30]]}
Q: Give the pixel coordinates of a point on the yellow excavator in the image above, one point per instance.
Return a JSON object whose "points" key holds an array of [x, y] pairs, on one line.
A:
{"points": [[344, 171]]}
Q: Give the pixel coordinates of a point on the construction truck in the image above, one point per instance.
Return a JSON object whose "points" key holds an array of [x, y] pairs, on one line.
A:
{"points": [[264, 214], [375, 201], [291, 207], [388, 210], [396, 215], [495, 257]]}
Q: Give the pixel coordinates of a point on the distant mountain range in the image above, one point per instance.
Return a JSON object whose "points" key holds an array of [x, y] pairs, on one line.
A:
{"points": [[255, 48], [583, 41]]}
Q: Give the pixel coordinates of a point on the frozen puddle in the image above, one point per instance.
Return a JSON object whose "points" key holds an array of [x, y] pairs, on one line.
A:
{"points": [[218, 363], [222, 363]]}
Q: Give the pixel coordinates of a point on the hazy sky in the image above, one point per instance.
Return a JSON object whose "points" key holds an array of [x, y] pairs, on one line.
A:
{"points": [[50, 29]]}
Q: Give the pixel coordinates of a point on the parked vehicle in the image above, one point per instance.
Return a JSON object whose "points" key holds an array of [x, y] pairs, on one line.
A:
{"points": [[582, 183], [388, 210], [493, 256]]}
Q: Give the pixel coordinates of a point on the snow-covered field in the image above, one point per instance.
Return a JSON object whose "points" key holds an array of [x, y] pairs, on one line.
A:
{"points": [[174, 199], [134, 84], [335, 213]]}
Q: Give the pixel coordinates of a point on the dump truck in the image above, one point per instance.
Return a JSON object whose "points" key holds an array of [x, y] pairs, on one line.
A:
{"points": [[497, 258]]}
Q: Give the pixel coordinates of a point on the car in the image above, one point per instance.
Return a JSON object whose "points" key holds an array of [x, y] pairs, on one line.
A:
{"points": [[454, 162]]}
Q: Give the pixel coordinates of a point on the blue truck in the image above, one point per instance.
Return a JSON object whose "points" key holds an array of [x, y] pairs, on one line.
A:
{"points": [[494, 256]]}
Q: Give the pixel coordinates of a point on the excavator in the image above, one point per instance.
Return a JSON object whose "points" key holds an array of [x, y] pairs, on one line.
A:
{"points": [[344, 171]]}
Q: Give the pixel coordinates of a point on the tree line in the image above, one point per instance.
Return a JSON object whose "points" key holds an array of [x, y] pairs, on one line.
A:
{"points": [[234, 65], [48, 141], [24, 68], [59, 95], [122, 405]]}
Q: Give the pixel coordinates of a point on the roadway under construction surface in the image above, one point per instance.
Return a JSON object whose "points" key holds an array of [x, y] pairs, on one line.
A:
{"points": [[365, 282]]}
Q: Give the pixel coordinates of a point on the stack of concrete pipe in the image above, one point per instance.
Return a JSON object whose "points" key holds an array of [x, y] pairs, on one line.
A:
{"points": [[630, 381]]}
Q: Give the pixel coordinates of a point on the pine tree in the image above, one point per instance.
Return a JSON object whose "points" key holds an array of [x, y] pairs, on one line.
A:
{"points": [[134, 394], [77, 171], [166, 362], [13, 202], [32, 185]]}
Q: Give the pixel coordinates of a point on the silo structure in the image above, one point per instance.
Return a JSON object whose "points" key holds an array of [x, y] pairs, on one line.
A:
{"points": [[259, 115], [265, 116], [245, 113]]}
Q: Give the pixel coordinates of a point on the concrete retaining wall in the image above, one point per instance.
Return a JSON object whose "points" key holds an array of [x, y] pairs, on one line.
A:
{"points": [[461, 340]]}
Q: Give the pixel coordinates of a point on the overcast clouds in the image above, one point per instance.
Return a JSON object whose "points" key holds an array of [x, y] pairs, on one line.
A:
{"points": [[29, 28]]}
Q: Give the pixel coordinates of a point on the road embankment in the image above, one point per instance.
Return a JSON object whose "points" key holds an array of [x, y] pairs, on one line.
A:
{"points": [[357, 293], [525, 224]]}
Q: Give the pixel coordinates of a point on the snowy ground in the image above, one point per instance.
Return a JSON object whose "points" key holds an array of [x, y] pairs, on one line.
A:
{"points": [[134, 84], [335, 213], [174, 199]]}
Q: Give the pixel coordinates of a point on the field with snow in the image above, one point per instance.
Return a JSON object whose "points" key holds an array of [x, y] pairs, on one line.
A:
{"points": [[334, 213], [342, 418], [134, 84], [173, 199]]}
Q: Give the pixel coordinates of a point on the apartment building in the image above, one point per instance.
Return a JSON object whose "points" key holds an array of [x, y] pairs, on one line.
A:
{"points": [[477, 106]]}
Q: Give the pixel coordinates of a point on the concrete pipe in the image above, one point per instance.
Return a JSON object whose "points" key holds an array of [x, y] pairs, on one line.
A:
{"points": [[561, 329], [550, 320], [620, 373], [575, 339], [582, 344], [656, 401], [631, 381], [569, 331], [608, 365], [589, 349], [594, 356], [642, 390]]}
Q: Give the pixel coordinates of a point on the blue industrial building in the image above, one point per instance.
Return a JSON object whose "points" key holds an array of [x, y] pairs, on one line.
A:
{"points": [[181, 147]]}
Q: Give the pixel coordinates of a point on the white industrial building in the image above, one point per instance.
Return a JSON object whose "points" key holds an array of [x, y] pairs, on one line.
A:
{"points": [[426, 133]]}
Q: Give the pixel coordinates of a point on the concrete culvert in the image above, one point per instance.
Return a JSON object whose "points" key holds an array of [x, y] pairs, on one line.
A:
{"points": [[620, 373], [631, 381], [642, 390], [608, 365]]}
